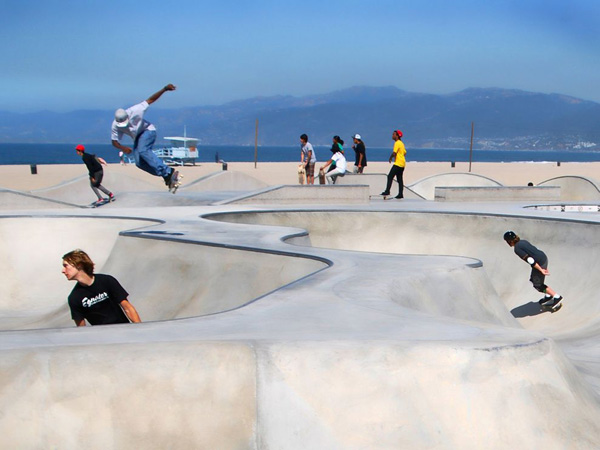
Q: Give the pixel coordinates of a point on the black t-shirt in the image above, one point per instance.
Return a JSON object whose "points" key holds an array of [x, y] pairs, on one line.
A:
{"points": [[360, 148], [98, 303], [524, 249], [93, 165]]}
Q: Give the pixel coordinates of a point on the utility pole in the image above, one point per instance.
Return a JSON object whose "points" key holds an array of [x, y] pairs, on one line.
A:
{"points": [[471, 148], [256, 144]]}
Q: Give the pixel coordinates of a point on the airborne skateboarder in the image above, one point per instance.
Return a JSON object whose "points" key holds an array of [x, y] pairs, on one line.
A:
{"points": [[131, 122], [538, 261]]}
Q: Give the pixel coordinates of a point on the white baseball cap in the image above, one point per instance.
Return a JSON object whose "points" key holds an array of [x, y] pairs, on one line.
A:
{"points": [[356, 136], [121, 118]]}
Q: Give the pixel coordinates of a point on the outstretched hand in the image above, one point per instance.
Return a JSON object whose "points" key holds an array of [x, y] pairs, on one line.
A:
{"points": [[170, 87]]}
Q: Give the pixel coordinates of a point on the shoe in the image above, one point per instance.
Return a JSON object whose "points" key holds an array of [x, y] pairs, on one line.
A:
{"points": [[385, 193], [100, 201], [399, 196], [543, 300], [111, 197], [555, 301], [168, 178]]}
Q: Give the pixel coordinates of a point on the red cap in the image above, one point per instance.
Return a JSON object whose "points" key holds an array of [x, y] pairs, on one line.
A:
{"points": [[399, 133], [80, 148]]}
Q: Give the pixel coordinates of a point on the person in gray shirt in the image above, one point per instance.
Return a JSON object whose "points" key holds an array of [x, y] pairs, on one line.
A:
{"points": [[538, 261]]}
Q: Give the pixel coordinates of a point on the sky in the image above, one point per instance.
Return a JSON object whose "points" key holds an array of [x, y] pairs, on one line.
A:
{"points": [[63, 55]]}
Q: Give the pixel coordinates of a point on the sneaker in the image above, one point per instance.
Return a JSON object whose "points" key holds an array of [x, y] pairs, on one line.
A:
{"points": [[111, 197], [556, 301], [99, 202], [385, 193], [168, 178], [399, 196], [544, 300]]}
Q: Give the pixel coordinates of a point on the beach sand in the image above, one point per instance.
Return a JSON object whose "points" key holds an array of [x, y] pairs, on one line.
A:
{"points": [[19, 177]]}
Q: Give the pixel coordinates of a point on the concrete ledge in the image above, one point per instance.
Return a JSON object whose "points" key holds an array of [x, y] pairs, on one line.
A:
{"points": [[304, 194], [496, 193], [375, 181]]}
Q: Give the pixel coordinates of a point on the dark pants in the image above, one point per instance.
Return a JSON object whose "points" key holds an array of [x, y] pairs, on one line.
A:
{"points": [[537, 278], [96, 184], [398, 172]]}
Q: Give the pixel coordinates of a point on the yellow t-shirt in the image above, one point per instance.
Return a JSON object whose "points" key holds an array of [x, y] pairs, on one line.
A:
{"points": [[400, 151]]}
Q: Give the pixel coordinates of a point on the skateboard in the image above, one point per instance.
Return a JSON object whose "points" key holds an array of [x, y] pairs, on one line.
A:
{"points": [[321, 176], [552, 308], [98, 204], [301, 173], [175, 182]]}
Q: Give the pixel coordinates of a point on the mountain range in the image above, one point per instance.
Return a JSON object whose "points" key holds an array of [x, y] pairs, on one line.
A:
{"points": [[502, 118]]}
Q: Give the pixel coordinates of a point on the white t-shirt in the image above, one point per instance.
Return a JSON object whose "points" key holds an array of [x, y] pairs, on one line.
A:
{"points": [[340, 161], [308, 147], [136, 124]]}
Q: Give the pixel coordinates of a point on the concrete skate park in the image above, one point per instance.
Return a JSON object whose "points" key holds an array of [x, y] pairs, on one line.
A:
{"points": [[304, 317]]}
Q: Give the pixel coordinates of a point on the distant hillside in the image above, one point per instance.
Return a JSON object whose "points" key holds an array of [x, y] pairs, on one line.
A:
{"points": [[503, 119]]}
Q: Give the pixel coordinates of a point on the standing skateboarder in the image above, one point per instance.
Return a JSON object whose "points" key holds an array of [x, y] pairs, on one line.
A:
{"points": [[100, 299], [131, 122], [538, 261], [397, 170], [94, 166]]}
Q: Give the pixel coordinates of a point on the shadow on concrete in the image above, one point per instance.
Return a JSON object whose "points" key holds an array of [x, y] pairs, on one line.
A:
{"points": [[527, 310]]}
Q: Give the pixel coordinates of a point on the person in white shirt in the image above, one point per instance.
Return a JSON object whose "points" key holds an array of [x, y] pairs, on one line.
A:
{"points": [[340, 165], [131, 122]]}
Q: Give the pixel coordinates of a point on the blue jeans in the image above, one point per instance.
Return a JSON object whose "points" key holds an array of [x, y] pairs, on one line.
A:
{"points": [[145, 158]]}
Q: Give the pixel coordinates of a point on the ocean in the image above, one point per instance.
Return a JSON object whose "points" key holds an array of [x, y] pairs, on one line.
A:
{"points": [[11, 154]]}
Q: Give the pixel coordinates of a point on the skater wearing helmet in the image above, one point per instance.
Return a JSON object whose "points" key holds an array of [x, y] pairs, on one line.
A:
{"points": [[538, 261], [397, 169]]}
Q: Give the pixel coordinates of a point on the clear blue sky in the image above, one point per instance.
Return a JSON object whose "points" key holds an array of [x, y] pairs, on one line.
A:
{"points": [[61, 55]]}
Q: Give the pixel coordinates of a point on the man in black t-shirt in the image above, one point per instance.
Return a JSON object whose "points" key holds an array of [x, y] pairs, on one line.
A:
{"points": [[100, 299], [538, 261], [361, 154], [94, 166]]}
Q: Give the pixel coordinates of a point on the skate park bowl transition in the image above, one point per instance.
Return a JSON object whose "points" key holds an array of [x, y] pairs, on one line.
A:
{"points": [[166, 280], [406, 340], [572, 248]]}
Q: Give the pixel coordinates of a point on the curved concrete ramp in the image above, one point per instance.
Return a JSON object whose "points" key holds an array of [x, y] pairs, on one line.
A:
{"points": [[78, 190], [224, 181], [405, 340], [573, 188], [16, 201], [570, 246], [426, 187], [166, 279]]}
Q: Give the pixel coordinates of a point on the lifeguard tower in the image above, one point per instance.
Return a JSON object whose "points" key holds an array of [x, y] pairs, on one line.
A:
{"points": [[182, 150]]}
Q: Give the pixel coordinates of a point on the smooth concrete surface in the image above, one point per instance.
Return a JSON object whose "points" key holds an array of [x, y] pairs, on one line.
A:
{"points": [[574, 188], [425, 188], [496, 193], [381, 325], [304, 194]]}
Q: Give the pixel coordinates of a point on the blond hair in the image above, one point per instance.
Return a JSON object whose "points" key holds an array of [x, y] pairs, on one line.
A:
{"points": [[80, 260]]}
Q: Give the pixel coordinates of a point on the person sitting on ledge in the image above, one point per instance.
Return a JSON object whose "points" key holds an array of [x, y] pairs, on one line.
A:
{"points": [[339, 160], [100, 299]]}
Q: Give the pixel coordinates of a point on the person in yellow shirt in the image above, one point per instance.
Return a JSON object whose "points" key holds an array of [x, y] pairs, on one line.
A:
{"points": [[397, 170]]}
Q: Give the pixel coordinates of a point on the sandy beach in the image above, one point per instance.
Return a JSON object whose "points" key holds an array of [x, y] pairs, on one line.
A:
{"points": [[19, 177]]}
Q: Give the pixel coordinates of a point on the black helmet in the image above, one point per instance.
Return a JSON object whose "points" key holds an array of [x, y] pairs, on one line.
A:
{"points": [[510, 236]]}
